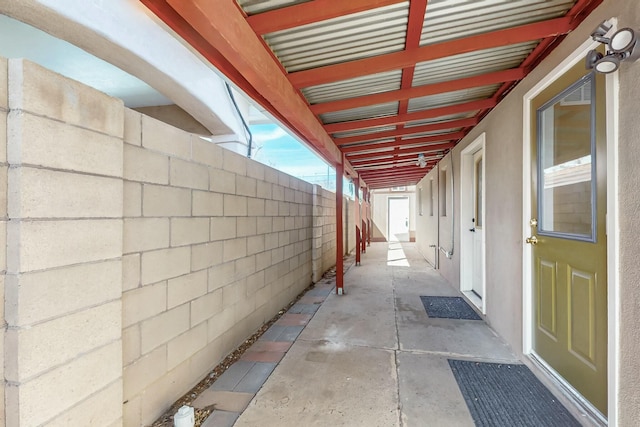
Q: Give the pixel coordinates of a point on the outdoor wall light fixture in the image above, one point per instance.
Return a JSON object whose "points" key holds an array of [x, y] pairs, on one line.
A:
{"points": [[622, 45], [422, 161]]}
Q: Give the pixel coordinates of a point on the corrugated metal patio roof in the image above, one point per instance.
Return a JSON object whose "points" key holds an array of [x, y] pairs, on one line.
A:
{"points": [[389, 77]]}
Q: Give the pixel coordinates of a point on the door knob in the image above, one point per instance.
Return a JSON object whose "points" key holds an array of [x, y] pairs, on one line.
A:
{"points": [[533, 240], [473, 230]]}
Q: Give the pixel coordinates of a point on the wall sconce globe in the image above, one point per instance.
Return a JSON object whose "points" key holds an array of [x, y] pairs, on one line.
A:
{"points": [[623, 41], [621, 46], [607, 64]]}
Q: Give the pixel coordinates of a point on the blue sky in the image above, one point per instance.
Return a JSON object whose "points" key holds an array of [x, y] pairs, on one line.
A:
{"points": [[278, 149], [281, 151]]}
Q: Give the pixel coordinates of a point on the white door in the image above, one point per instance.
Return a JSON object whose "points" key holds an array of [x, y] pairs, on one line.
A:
{"points": [[398, 219], [478, 225], [472, 223]]}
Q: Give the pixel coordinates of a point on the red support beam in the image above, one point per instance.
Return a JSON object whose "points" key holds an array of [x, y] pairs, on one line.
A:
{"points": [[382, 170], [377, 177], [365, 216], [398, 157], [398, 178], [448, 125], [308, 13], [511, 75], [417, 9], [339, 231], [385, 175], [396, 183], [396, 160], [426, 150], [408, 142], [363, 241], [393, 170], [396, 175], [388, 164], [415, 23], [390, 179], [407, 58], [373, 156], [370, 217], [397, 172], [399, 183], [226, 30], [409, 117], [356, 213]]}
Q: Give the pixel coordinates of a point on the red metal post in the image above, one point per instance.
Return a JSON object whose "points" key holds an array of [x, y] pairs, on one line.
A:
{"points": [[339, 237], [370, 219], [356, 212], [365, 215]]}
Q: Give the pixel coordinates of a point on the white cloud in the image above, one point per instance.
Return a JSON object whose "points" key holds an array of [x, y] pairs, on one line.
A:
{"points": [[262, 136]]}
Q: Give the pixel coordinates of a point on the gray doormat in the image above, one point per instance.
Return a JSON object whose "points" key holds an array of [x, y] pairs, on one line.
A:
{"points": [[448, 308], [508, 395]]}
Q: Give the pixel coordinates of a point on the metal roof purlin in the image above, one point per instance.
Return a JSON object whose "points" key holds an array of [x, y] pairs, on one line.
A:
{"points": [[452, 124], [438, 138], [389, 161], [310, 12], [425, 149], [397, 172], [409, 117], [416, 92], [407, 58], [391, 172]]}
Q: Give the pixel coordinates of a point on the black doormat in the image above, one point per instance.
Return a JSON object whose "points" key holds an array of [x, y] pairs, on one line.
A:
{"points": [[508, 395], [448, 308]]}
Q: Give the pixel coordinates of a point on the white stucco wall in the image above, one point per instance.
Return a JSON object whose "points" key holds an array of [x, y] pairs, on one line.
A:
{"points": [[380, 210]]}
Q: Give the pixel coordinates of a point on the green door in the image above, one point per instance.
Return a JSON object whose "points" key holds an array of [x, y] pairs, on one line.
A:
{"points": [[568, 220]]}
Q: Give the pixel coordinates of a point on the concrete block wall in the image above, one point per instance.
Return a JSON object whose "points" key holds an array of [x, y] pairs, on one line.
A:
{"points": [[324, 231], [133, 255], [63, 348], [214, 245]]}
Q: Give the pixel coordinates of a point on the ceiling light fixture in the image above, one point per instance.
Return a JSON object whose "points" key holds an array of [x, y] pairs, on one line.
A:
{"points": [[622, 45], [422, 161]]}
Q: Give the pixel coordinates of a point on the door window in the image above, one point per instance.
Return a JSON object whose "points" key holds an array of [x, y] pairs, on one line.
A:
{"points": [[566, 166], [478, 193]]}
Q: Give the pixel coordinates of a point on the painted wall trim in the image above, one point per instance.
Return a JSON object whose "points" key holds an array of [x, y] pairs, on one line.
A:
{"points": [[613, 245]]}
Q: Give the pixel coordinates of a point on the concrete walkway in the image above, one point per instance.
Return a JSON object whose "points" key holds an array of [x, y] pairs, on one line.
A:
{"points": [[369, 358]]}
